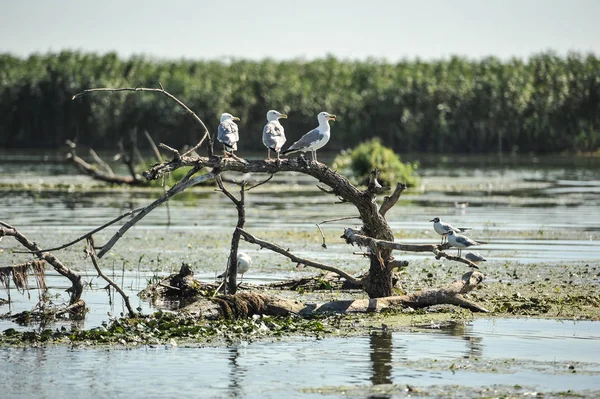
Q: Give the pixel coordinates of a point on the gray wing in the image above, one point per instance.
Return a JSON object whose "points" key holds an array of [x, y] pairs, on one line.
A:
{"points": [[466, 241], [305, 141], [475, 257], [228, 134], [274, 136]]}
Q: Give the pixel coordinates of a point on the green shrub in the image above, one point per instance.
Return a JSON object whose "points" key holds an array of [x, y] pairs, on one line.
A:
{"points": [[358, 163]]}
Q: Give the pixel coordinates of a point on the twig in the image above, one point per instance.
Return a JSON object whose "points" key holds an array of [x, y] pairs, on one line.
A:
{"points": [[100, 162], [390, 201], [261, 183], [177, 188], [95, 173], [159, 157], [166, 93], [276, 248], [324, 245], [171, 149], [92, 253]]}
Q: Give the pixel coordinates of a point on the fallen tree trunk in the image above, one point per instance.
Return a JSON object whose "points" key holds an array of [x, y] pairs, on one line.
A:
{"points": [[249, 304]]}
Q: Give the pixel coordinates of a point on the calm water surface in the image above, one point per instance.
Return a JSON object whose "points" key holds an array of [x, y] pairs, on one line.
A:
{"points": [[477, 355]]}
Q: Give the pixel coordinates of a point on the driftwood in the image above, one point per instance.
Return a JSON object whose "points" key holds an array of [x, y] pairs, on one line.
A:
{"points": [[248, 304], [105, 175]]}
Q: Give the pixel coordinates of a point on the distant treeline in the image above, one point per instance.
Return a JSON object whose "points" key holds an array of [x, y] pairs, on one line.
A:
{"points": [[546, 104]]}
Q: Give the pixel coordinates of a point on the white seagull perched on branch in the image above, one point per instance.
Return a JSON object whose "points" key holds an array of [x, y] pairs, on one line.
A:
{"points": [[443, 228], [273, 134], [460, 241], [314, 139], [228, 133]]}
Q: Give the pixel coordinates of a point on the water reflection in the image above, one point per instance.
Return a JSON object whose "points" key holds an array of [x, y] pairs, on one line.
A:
{"points": [[237, 372], [381, 349]]}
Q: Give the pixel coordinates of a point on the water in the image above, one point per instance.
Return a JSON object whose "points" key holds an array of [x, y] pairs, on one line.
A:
{"points": [[478, 355], [531, 212]]}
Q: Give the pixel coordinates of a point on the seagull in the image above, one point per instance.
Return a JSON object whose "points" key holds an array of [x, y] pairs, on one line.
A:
{"points": [[460, 241], [443, 228], [475, 257], [273, 135], [314, 139], [244, 263], [228, 133]]}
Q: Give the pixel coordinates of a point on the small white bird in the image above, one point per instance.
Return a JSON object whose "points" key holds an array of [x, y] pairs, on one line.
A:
{"points": [[273, 134], [443, 228], [244, 263], [316, 138], [228, 133], [460, 241], [475, 257]]}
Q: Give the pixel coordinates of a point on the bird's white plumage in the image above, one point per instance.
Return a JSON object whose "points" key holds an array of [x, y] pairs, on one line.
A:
{"points": [[443, 228], [228, 133], [316, 138], [244, 264], [460, 241], [273, 133]]}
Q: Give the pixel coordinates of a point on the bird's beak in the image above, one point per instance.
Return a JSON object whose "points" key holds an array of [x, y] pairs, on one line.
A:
{"points": [[432, 220], [332, 117], [283, 116], [235, 118]]}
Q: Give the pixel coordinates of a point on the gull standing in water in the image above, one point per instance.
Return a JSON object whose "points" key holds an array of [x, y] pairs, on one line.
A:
{"points": [[244, 263], [460, 241], [443, 228], [314, 139], [228, 134], [273, 134], [475, 257]]}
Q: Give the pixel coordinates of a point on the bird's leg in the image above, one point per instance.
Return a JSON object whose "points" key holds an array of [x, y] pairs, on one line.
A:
{"points": [[232, 155], [441, 243], [314, 156], [269, 154]]}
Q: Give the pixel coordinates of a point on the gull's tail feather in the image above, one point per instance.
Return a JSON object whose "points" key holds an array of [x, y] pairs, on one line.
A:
{"points": [[463, 229]]}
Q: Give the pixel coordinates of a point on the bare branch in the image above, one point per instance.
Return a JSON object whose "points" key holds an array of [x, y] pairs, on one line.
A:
{"points": [[92, 253], [352, 237], [92, 171], [276, 248], [261, 183], [77, 286], [159, 157], [176, 189], [86, 235], [400, 264], [374, 187], [165, 93], [390, 201], [324, 245], [101, 162]]}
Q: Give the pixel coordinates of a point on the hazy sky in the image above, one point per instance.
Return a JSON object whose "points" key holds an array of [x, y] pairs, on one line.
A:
{"points": [[308, 29]]}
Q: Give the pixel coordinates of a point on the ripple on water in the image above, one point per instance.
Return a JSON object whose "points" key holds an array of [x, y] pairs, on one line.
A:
{"points": [[507, 352]]}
